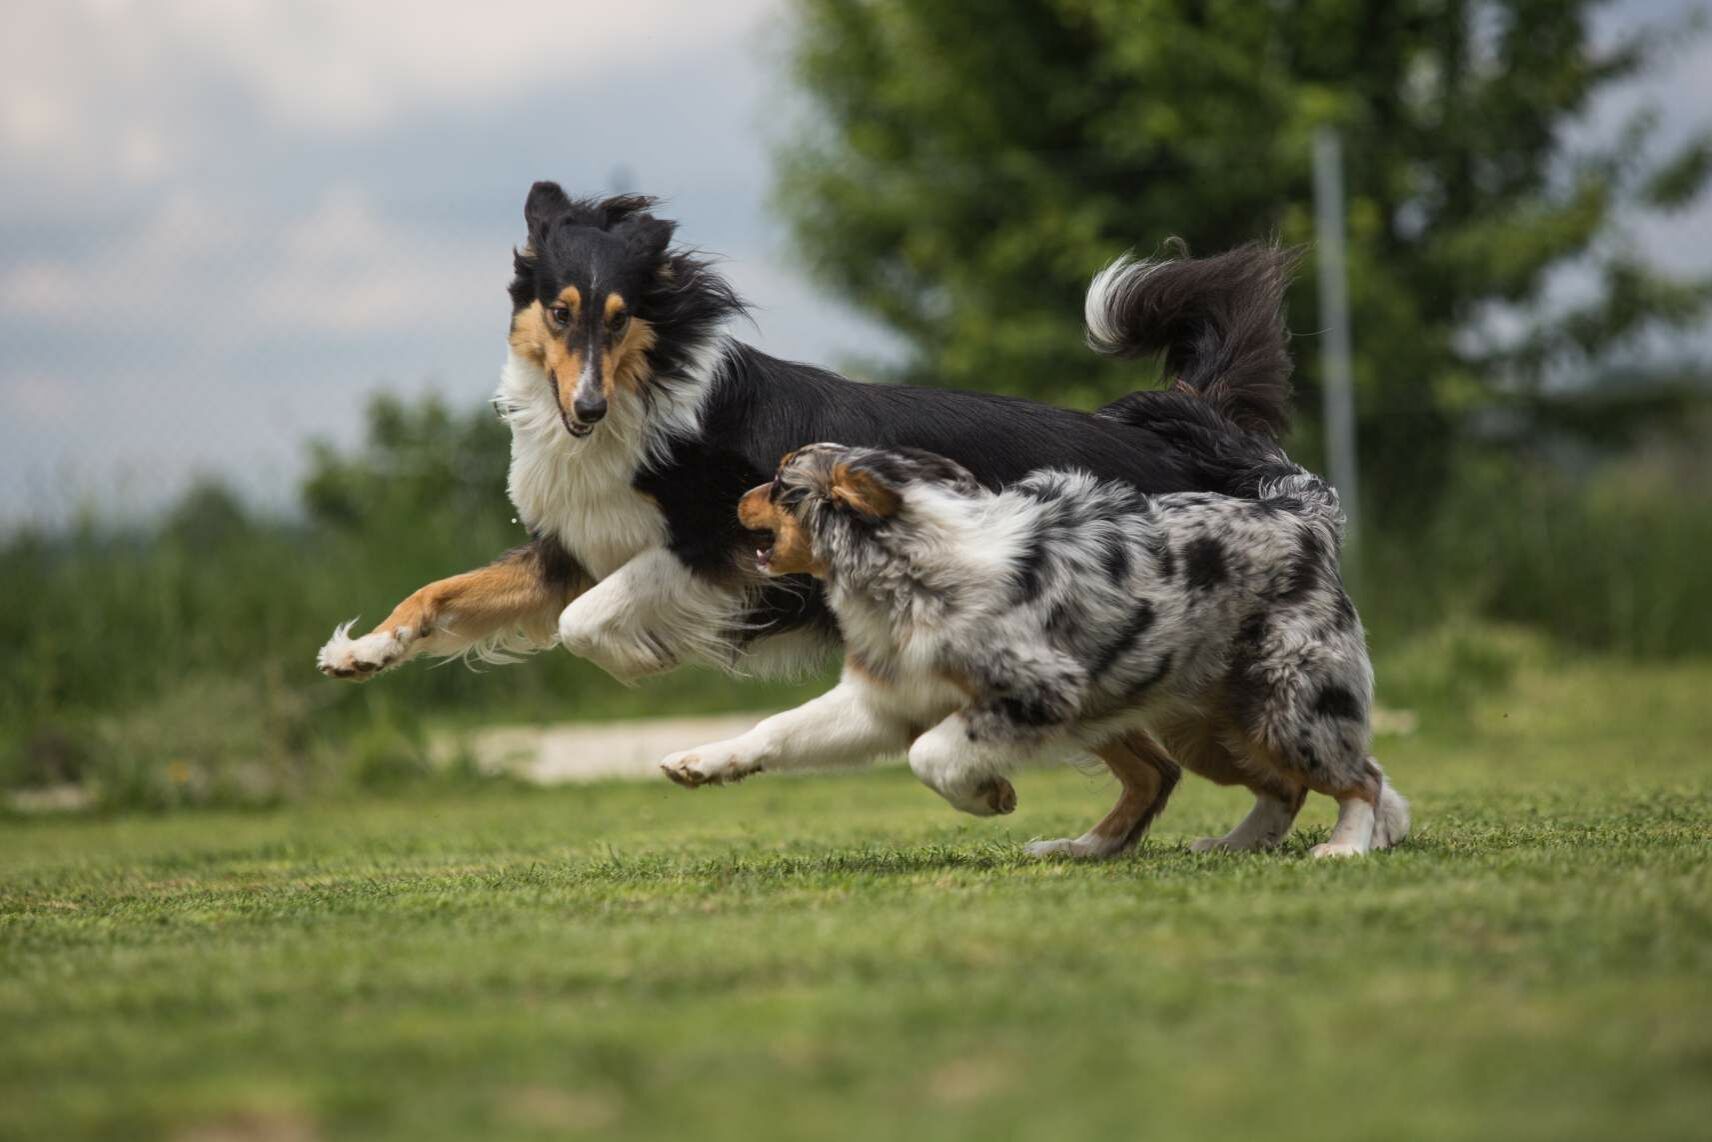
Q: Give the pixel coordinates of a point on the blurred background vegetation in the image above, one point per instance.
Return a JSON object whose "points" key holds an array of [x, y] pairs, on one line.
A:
{"points": [[1536, 472]]}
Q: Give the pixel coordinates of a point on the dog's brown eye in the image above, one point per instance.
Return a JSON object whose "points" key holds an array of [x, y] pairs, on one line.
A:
{"points": [[619, 322], [561, 314]]}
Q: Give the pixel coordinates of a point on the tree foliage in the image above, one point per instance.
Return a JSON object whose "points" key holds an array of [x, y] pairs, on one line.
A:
{"points": [[420, 461], [969, 164]]}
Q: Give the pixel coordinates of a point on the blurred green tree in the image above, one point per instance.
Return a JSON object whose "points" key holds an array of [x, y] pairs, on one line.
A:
{"points": [[420, 461], [968, 165]]}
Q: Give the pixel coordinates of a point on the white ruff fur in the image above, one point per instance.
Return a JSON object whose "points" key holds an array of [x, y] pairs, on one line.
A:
{"points": [[579, 491]]}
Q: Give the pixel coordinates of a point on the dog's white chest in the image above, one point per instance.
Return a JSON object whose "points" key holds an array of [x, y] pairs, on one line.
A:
{"points": [[604, 536], [581, 493], [591, 508]]}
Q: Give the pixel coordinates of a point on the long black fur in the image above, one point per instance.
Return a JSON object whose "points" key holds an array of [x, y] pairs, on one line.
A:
{"points": [[1219, 322]]}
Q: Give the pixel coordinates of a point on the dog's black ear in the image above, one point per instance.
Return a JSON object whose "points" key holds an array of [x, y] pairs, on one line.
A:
{"points": [[546, 202], [862, 489], [648, 236], [621, 207]]}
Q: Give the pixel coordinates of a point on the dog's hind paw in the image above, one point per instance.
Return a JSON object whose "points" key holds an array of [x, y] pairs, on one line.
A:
{"points": [[1391, 820], [362, 658]]}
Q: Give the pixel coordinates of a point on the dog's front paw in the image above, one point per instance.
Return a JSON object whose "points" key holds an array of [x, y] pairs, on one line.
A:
{"points": [[1337, 849], [708, 765], [362, 658], [992, 797]]}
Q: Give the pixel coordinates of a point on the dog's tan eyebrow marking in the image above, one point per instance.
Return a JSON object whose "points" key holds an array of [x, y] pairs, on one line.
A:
{"points": [[573, 297], [530, 335], [614, 303]]}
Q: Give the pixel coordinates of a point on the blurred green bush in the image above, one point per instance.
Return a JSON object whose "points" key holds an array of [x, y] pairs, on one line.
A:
{"points": [[174, 663]]}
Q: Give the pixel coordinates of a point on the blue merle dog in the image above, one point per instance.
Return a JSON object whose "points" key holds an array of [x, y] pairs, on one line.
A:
{"points": [[985, 627]]}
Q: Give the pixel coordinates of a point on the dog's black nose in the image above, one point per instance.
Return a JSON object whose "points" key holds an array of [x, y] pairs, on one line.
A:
{"points": [[589, 411]]}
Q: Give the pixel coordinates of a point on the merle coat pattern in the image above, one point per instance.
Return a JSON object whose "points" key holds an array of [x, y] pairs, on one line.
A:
{"points": [[984, 627]]}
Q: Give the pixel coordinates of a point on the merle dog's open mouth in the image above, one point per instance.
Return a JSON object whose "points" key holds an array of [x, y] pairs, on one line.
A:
{"points": [[764, 541]]}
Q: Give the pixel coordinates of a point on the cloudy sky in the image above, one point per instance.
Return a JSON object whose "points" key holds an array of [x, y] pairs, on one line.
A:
{"points": [[224, 223]]}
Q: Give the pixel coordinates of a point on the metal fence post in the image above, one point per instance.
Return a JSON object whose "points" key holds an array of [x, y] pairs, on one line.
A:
{"points": [[1338, 385]]}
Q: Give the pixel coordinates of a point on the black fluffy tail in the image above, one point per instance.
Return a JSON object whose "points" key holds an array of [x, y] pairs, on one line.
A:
{"points": [[1219, 321]]}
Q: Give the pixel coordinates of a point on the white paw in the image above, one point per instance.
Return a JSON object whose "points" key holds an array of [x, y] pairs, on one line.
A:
{"points": [[1337, 849], [625, 656], [708, 765], [1209, 845], [993, 797], [363, 658], [1076, 848]]}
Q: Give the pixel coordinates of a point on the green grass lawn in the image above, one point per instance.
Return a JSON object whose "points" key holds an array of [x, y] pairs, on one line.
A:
{"points": [[846, 957]]}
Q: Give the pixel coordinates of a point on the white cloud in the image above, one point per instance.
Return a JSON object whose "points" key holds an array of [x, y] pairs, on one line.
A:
{"points": [[200, 264], [334, 64], [39, 290], [104, 95], [337, 64], [91, 103], [37, 398], [345, 269]]}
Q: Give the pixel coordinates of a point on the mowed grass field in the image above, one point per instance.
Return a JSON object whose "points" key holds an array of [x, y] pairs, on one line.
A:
{"points": [[844, 957]]}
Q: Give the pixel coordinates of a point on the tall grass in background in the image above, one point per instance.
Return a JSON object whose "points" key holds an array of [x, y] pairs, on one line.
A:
{"points": [[1612, 559], [173, 663]]}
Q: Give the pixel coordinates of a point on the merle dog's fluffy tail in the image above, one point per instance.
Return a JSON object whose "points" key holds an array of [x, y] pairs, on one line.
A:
{"points": [[1219, 322]]}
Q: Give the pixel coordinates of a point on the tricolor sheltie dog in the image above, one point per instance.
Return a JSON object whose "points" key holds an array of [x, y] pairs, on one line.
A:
{"points": [[982, 628], [637, 422]]}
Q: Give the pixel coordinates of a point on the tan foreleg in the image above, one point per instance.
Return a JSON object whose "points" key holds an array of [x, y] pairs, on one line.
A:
{"points": [[510, 604]]}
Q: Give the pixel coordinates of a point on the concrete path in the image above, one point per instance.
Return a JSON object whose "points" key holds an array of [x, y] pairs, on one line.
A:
{"points": [[570, 752], [594, 751]]}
